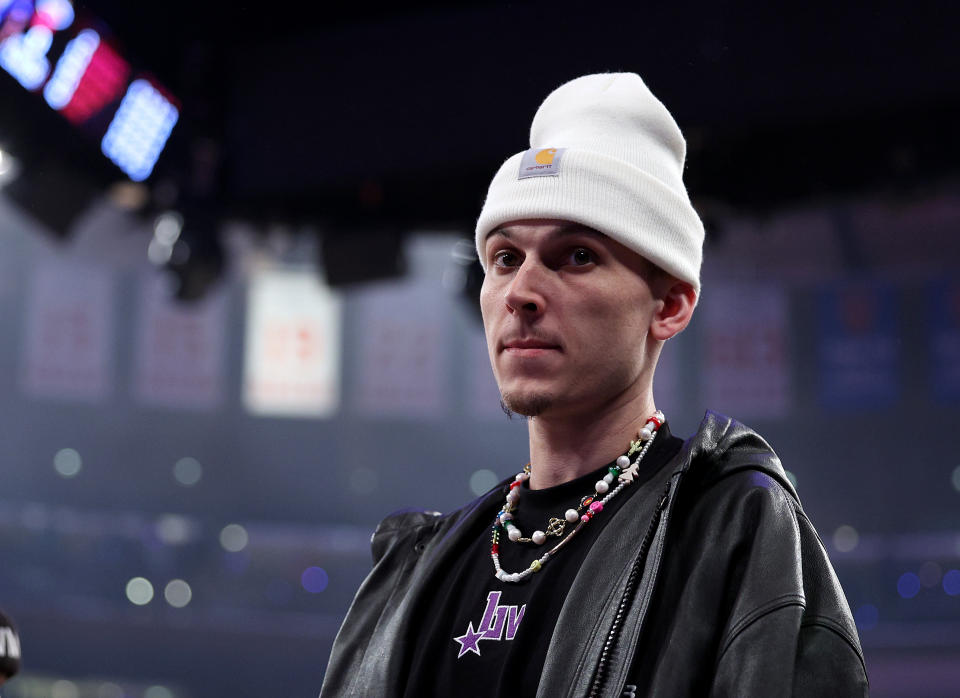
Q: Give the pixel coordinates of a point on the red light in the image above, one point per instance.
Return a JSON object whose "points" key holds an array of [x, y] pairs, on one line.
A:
{"points": [[103, 82]]}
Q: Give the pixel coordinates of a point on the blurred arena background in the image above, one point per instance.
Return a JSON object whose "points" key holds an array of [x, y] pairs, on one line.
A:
{"points": [[238, 317]]}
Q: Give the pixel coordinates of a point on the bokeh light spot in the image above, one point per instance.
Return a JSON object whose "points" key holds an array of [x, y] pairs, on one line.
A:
{"points": [[482, 480], [951, 582], [866, 616], [109, 690], [187, 471], [159, 252], [845, 538], [314, 579], [177, 593], [158, 692], [167, 227], [173, 529], [955, 478], [67, 462], [908, 585], [64, 689], [139, 591], [363, 480], [234, 538]]}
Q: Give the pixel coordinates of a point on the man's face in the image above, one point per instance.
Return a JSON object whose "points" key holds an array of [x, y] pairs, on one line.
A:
{"points": [[567, 313]]}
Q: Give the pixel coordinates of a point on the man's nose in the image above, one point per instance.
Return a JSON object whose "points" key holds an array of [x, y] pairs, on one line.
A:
{"points": [[526, 293]]}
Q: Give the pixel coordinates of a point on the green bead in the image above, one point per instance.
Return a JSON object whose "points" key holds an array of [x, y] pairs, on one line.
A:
{"points": [[614, 470]]}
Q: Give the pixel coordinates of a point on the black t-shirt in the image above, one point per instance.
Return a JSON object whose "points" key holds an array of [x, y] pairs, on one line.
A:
{"points": [[479, 636]]}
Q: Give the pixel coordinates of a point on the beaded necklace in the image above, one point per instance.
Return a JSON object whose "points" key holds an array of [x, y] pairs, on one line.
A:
{"points": [[591, 505]]}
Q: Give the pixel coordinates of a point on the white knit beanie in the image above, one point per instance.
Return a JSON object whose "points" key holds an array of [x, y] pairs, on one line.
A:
{"points": [[607, 154]]}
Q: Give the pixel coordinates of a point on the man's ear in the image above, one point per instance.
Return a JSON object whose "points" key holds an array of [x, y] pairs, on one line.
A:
{"points": [[678, 302]]}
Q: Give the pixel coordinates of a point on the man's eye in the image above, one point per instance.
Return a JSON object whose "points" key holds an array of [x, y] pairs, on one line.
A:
{"points": [[581, 256], [505, 258]]}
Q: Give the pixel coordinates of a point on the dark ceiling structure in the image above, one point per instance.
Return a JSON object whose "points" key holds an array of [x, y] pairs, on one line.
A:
{"points": [[375, 114]]}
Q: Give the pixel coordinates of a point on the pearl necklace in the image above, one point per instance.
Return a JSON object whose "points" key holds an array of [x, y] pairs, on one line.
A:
{"points": [[591, 505]]}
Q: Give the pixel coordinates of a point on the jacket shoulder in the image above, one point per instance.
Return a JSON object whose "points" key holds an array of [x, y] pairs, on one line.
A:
{"points": [[420, 525], [742, 490], [723, 446], [398, 526]]}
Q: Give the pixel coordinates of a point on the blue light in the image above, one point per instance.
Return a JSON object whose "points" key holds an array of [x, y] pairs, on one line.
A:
{"points": [[56, 14], [908, 585], [139, 130], [70, 68], [24, 56], [314, 579], [951, 582], [866, 616]]}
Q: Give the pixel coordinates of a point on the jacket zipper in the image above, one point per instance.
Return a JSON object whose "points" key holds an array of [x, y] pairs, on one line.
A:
{"points": [[600, 676]]}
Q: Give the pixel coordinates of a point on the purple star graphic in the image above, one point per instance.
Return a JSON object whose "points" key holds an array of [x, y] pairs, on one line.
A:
{"points": [[468, 641]]}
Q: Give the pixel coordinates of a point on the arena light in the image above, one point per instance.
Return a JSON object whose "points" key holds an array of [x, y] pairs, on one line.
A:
{"points": [[166, 233], [9, 167], [24, 55], [86, 80], [89, 76], [139, 130]]}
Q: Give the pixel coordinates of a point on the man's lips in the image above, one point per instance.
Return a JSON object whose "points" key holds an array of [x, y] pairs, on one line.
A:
{"points": [[528, 347]]}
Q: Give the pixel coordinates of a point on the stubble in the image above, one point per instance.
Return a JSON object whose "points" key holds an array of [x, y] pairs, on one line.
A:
{"points": [[526, 405]]}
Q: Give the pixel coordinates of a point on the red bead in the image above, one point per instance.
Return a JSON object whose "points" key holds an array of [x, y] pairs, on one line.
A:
{"points": [[495, 549], [515, 483], [656, 420]]}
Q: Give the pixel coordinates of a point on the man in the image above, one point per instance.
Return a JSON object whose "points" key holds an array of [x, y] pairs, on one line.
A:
{"points": [[9, 649], [621, 561]]}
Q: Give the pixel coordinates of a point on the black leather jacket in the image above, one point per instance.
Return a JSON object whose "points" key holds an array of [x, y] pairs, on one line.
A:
{"points": [[726, 592]]}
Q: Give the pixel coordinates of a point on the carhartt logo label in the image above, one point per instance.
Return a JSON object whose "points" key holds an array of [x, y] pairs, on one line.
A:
{"points": [[541, 162], [498, 623], [545, 157], [9, 645]]}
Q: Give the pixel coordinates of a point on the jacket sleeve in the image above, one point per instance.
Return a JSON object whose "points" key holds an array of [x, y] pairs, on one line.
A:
{"points": [[783, 654], [394, 546], [790, 630]]}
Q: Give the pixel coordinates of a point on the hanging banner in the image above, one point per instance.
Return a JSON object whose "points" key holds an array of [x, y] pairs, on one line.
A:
{"points": [[403, 339], [944, 324], [292, 348], [859, 348], [67, 352], [746, 363], [180, 348]]}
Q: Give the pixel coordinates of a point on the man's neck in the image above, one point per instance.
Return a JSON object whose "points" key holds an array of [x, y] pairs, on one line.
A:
{"points": [[565, 448]]}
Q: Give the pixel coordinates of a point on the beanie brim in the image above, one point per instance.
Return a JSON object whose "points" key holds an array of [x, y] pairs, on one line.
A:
{"points": [[608, 195]]}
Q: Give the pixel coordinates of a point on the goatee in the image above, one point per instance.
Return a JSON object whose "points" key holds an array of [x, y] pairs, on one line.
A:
{"points": [[526, 405]]}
